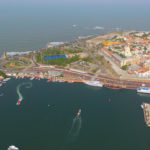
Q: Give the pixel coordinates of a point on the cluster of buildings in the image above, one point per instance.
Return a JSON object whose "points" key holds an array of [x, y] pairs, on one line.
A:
{"points": [[51, 75], [130, 50]]}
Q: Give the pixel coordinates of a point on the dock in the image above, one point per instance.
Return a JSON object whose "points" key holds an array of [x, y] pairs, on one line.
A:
{"points": [[146, 109]]}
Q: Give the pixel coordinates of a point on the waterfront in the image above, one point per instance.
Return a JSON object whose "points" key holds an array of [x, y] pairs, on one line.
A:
{"points": [[44, 118]]}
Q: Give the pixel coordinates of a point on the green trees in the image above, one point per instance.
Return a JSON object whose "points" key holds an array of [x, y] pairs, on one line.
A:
{"points": [[3, 74], [145, 48], [125, 67], [38, 57], [87, 59], [53, 51]]}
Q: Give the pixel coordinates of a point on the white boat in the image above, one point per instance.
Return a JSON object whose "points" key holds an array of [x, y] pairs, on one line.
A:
{"points": [[143, 90], [31, 78], [6, 79], [12, 147], [93, 83]]}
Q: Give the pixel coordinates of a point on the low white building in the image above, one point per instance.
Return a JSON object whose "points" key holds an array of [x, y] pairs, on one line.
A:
{"points": [[143, 74]]}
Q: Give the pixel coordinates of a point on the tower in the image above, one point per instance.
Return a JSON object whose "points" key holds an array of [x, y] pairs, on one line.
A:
{"points": [[4, 55], [127, 51]]}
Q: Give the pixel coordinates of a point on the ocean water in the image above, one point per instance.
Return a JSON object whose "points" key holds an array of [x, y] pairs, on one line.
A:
{"points": [[30, 26], [47, 119]]}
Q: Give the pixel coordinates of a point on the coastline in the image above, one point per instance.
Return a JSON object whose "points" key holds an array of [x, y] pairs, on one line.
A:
{"points": [[72, 76], [37, 71]]}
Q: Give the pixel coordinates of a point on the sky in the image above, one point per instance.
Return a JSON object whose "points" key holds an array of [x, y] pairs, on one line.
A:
{"points": [[75, 1], [35, 22]]}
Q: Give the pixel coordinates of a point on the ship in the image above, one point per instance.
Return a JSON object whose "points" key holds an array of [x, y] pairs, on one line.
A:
{"points": [[143, 90], [93, 83], [12, 147]]}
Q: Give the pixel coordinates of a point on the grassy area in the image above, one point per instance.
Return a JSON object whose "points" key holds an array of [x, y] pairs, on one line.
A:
{"points": [[125, 67], [95, 70], [13, 64], [39, 56], [53, 51], [56, 61]]}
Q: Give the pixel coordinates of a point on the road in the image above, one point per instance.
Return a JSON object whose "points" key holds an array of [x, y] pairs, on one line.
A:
{"points": [[105, 80]]}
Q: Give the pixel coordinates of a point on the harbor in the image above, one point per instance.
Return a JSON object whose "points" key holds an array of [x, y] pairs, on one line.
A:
{"points": [[56, 104]]}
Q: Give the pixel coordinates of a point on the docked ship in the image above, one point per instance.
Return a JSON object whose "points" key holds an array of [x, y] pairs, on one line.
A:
{"points": [[93, 83], [143, 90]]}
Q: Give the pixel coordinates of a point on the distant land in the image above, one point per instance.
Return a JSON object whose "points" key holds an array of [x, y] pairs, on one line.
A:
{"points": [[123, 55]]}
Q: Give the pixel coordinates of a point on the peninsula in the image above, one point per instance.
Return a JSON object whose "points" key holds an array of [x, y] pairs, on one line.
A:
{"points": [[116, 59]]}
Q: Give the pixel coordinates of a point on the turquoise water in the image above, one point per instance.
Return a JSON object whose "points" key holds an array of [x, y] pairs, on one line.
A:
{"points": [[29, 26], [44, 119]]}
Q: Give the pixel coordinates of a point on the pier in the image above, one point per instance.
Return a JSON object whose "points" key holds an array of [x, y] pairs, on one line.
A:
{"points": [[146, 109]]}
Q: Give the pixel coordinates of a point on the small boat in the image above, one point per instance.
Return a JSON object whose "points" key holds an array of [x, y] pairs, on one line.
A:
{"points": [[109, 100], [12, 147], [141, 106], [54, 81], [6, 79], [31, 78], [70, 81], [143, 90], [18, 102], [49, 80], [61, 81], [114, 87], [3, 82], [79, 112]]}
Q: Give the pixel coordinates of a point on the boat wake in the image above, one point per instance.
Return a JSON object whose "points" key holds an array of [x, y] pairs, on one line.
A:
{"points": [[73, 132], [27, 85], [75, 129]]}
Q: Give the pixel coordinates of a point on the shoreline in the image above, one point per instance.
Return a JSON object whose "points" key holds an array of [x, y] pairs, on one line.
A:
{"points": [[78, 75]]}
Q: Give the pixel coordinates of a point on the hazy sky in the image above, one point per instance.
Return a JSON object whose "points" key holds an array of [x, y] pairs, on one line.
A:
{"points": [[75, 1]]}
